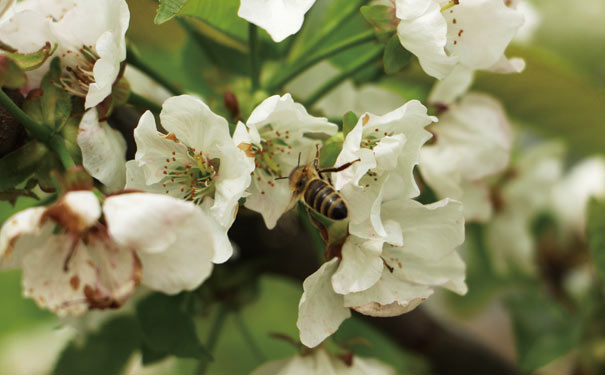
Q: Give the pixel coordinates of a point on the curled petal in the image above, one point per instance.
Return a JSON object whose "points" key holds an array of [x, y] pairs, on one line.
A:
{"points": [[280, 18]]}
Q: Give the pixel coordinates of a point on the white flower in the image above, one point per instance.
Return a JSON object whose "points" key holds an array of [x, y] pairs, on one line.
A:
{"points": [[196, 161], [388, 149], [320, 361], [280, 18], [472, 33], [472, 142], [526, 192], [72, 261], [6, 7], [572, 193], [91, 48], [386, 279], [103, 151], [279, 132]]}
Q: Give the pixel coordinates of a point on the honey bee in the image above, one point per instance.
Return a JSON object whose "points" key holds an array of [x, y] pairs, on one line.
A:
{"points": [[309, 183]]}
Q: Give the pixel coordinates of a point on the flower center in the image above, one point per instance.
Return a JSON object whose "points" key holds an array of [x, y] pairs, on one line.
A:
{"points": [[268, 153], [191, 179], [77, 79]]}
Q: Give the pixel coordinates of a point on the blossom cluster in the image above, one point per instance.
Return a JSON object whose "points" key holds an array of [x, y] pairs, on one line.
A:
{"points": [[162, 218]]}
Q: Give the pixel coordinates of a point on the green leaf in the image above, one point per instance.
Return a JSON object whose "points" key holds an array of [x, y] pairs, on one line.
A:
{"points": [[395, 56], [551, 99], [167, 10], [49, 105], [11, 76], [381, 17], [20, 164], [32, 60], [220, 15], [544, 331], [166, 328], [349, 120], [104, 352], [331, 150], [596, 235]]}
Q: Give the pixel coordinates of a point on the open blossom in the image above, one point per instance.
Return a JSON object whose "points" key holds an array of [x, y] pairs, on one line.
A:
{"points": [[91, 48], [279, 133], [389, 276], [319, 361], [525, 191], [388, 149], [280, 18], [77, 255], [196, 161], [473, 139], [470, 33]]}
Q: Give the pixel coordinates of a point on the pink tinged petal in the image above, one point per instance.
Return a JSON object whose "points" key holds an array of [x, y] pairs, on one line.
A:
{"points": [[429, 231], [482, 31], [20, 234], [321, 310], [360, 267], [426, 37], [70, 278], [280, 18], [175, 240], [103, 151], [448, 271], [389, 296]]}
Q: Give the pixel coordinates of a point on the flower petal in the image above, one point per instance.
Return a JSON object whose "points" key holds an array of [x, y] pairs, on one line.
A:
{"points": [[360, 267], [280, 18], [103, 151], [174, 239], [429, 231], [19, 234], [390, 296], [321, 310]]}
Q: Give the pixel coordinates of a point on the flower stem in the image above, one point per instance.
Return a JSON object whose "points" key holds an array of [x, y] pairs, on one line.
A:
{"points": [[215, 331], [335, 81], [142, 102], [254, 67], [297, 69], [133, 59], [40, 132], [248, 338]]}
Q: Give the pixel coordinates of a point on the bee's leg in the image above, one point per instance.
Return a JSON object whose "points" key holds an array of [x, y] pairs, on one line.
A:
{"points": [[316, 161], [323, 231], [338, 169]]}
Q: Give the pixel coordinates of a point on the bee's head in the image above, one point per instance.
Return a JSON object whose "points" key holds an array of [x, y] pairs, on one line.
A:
{"points": [[299, 178]]}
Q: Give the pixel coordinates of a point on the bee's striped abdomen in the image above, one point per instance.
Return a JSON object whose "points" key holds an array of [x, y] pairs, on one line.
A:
{"points": [[322, 197]]}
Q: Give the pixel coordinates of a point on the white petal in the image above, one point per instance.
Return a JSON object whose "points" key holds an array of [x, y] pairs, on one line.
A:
{"points": [[195, 124], [70, 279], [452, 86], [506, 65], [6, 8], [440, 169], [105, 70], [103, 151], [364, 206], [478, 130], [511, 243], [351, 151], [477, 201], [270, 201], [426, 36], [84, 205], [360, 267], [390, 296], [282, 113], [20, 233], [145, 86], [174, 239], [429, 231], [448, 271], [482, 31], [410, 9], [280, 18], [321, 310], [387, 152]]}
